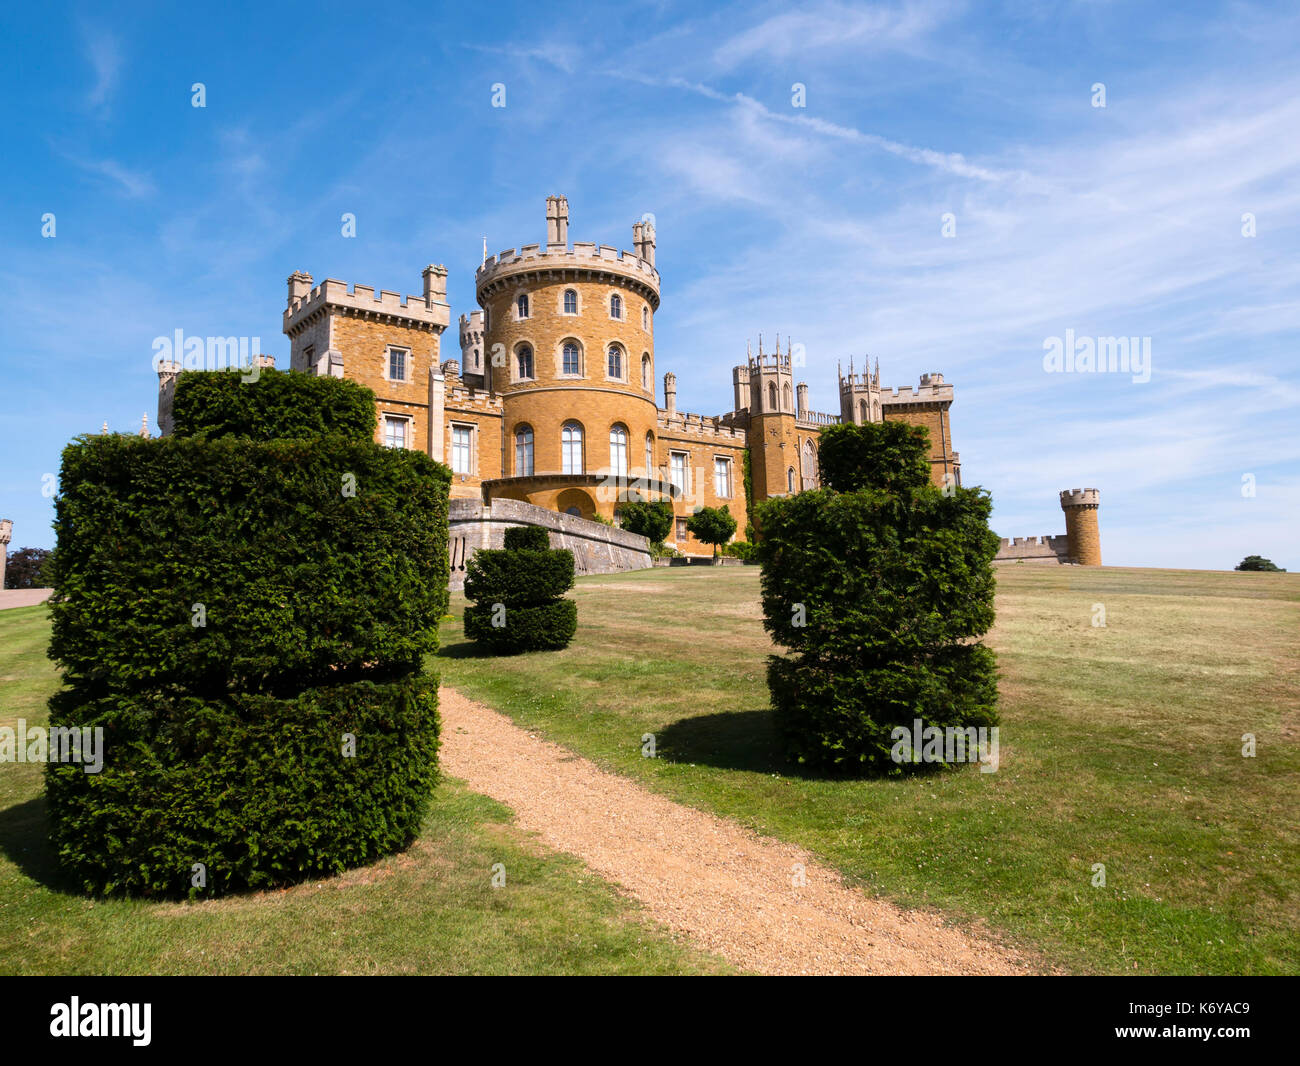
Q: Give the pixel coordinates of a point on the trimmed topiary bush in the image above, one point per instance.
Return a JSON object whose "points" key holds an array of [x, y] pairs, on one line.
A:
{"points": [[541, 627], [527, 538], [255, 788], [241, 565], [654, 521], [246, 620], [879, 589], [274, 405], [517, 595]]}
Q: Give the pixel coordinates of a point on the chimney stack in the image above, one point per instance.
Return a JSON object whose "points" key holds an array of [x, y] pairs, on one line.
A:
{"points": [[557, 222], [643, 239], [670, 393], [435, 284]]}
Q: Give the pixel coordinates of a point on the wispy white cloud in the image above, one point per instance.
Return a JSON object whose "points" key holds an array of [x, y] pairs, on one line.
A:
{"points": [[103, 53], [133, 183], [865, 28]]}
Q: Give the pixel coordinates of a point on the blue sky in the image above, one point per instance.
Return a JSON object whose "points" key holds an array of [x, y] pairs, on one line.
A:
{"points": [[823, 223]]}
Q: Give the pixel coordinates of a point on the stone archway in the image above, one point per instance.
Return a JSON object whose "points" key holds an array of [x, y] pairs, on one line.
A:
{"points": [[569, 499]]}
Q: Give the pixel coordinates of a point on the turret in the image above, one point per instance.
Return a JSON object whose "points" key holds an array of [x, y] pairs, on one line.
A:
{"points": [[801, 405], [1083, 537], [299, 285], [471, 348], [6, 534], [168, 370], [740, 386], [670, 393], [860, 395]]}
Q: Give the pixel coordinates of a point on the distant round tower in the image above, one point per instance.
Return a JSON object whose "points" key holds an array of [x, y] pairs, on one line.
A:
{"points": [[471, 348], [1083, 539]]}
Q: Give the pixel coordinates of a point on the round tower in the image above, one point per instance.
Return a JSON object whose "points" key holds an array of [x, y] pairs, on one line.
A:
{"points": [[1083, 538], [471, 347], [568, 343]]}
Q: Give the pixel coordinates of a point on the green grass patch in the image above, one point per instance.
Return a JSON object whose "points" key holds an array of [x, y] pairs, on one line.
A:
{"points": [[1119, 745], [429, 910]]}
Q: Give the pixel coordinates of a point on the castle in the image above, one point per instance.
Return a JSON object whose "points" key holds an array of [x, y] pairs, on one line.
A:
{"points": [[553, 402]]}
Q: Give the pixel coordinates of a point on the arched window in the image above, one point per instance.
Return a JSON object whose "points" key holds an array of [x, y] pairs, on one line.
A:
{"points": [[785, 397], [618, 450], [789, 480], [809, 465], [521, 304], [572, 362], [645, 319], [570, 301], [615, 361], [525, 357], [616, 306], [571, 448], [645, 371], [771, 395], [862, 411], [476, 365], [649, 455], [524, 451]]}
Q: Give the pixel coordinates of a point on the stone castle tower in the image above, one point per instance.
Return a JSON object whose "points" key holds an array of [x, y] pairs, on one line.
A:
{"points": [[1083, 538], [860, 395], [764, 388]]}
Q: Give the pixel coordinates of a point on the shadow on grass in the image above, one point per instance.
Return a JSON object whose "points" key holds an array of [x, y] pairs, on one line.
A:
{"points": [[465, 649], [748, 740], [24, 841], [737, 740]]}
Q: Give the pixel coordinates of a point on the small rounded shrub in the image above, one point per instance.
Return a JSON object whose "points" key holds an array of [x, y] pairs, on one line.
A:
{"points": [[543, 627], [517, 592], [527, 538], [520, 577]]}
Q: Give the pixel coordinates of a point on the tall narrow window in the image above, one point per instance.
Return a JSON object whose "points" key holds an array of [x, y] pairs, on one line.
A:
{"points": [[862, 412], [572, 360], [524, 451], [525, 362], [771, 395], [615, 361], [645, 371], [616, 306], [785, 396], [462, 441], [677, 470], [645, 318], [649, 455], [395, 432], [571, 448], [397, 364], [789, 480], [522, 305], [618, 451], [722, 477], [570, 302]]}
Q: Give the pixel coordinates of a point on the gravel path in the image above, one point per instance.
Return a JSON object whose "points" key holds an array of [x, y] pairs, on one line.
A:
{"points": [[729, 890]]}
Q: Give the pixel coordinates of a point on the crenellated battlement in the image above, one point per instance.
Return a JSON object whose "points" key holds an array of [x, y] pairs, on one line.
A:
{"points": [[582, 256], [710, 427], [462, 397], [430, 310], [1080, 498], [937, 393]]}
